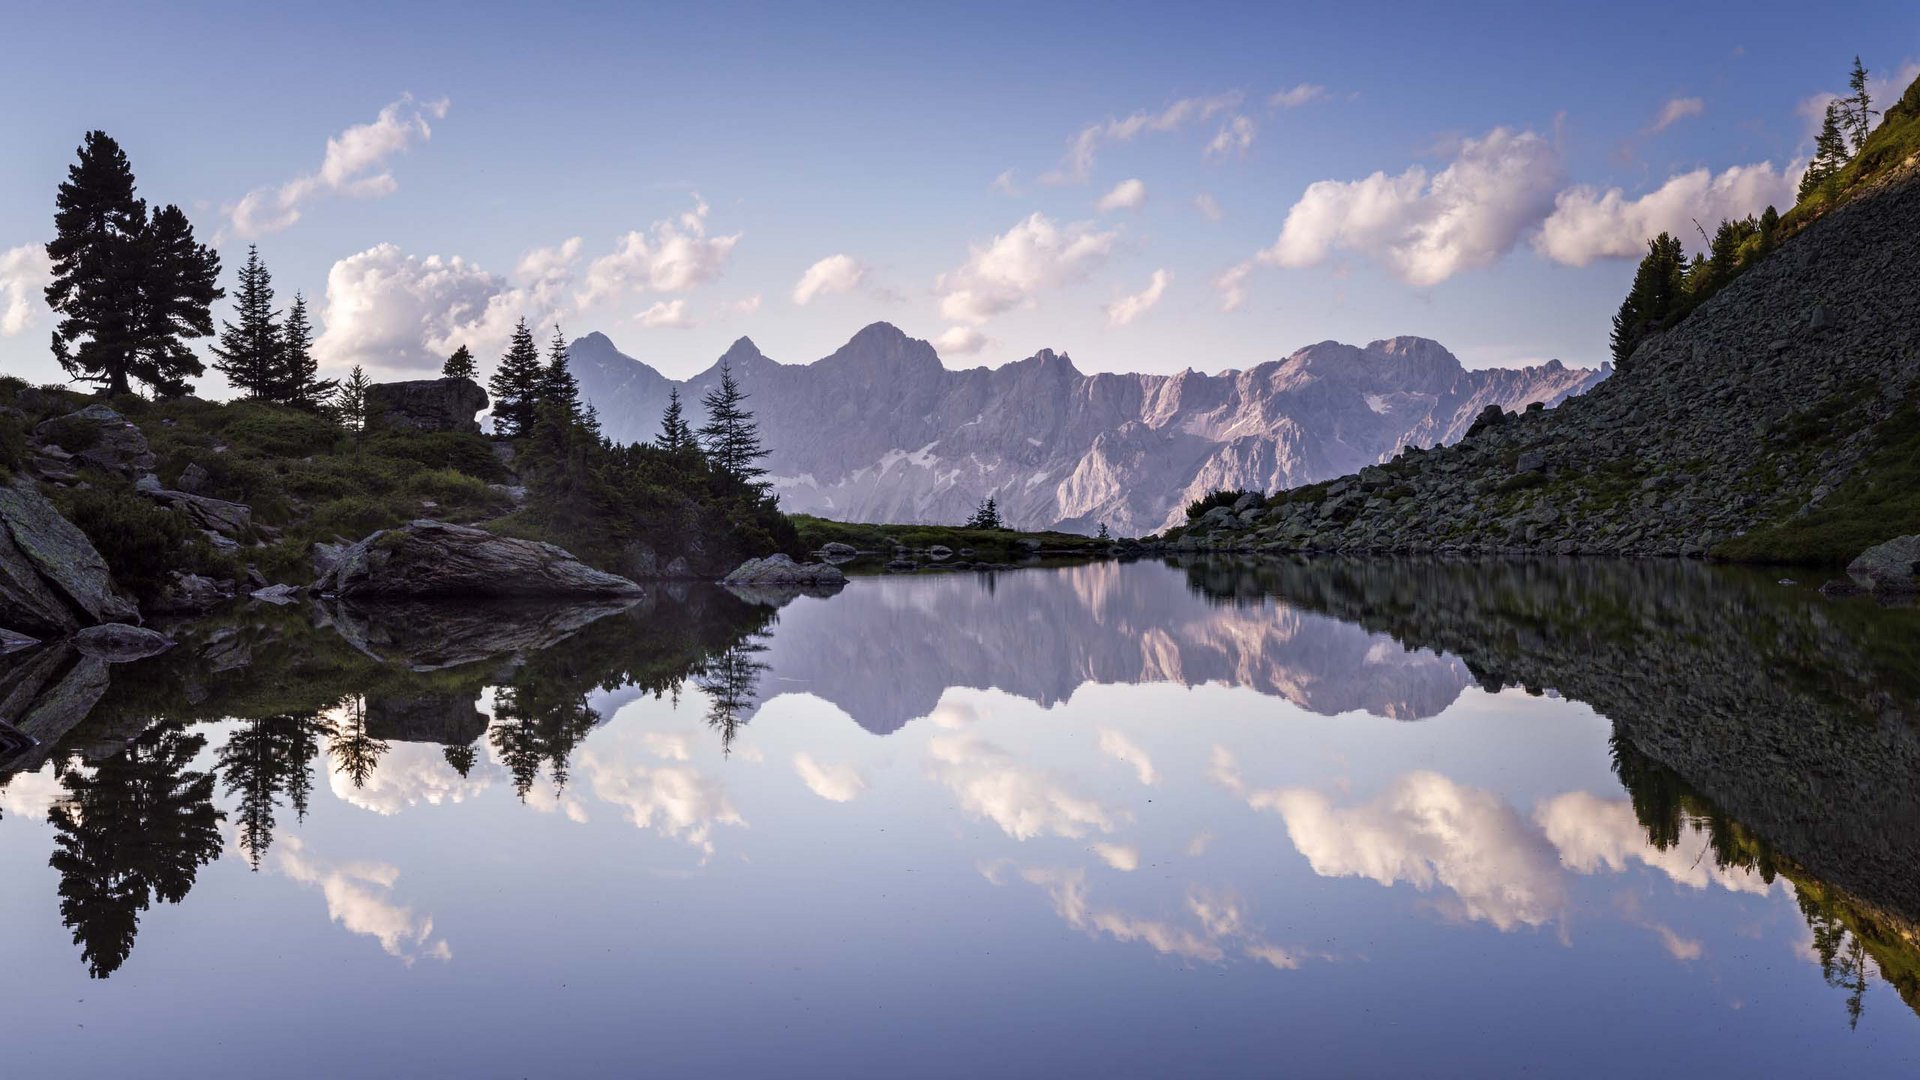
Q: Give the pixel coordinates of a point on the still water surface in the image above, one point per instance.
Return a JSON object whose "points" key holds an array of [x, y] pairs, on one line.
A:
{"points": [[1224, 818]]}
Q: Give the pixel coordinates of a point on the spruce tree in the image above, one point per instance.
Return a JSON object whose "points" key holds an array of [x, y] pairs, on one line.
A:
{"points": [[675, 436], [730, 438], [516, 385], [249, 353], [1658, 294], [299, 383], [1829, 151], [1858, 110], [128, 291], [461, 365], [350, 404], [986, 515], [558, 388]]}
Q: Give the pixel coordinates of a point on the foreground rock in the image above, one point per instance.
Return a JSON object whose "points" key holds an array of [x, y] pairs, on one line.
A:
{"points": [[99, 436], [118, 643], [215, 516], [52, 581], [425, 405], [431, 559], [780, 570], [435, 635], [1889, 568]]}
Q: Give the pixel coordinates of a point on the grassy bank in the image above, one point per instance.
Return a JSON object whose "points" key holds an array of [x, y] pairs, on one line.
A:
{"points": [[994, 545]]}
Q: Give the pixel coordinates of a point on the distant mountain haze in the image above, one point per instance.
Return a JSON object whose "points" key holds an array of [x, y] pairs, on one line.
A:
{"points": [[882, 431]]}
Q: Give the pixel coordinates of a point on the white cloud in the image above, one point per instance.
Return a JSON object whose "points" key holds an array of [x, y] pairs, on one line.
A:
{"points": [[25, 272], [1005, 184], [674, 256], [1232, 285], [960, 341], [1016, 266], [1303, 94], [1594, 834], [1128, 308], [676, 801], [1424, 228], [358, 896], [1208, 206], [1126, 195], [1586, 224], [1122, 749], [1022, 801], [834, 783], [32, 795], [1077, 165], [1122, 857], [666, 315], [1676, 110], [410, 774], [671, 746], [746, 305], [1068, 888], [833, 274], [1233, 139], [354, 166], [396, 313], [1883, 89]]}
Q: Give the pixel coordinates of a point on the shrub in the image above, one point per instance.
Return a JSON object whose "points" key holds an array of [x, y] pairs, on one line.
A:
{"points": [[72, 434], [1217, 498], [278, 431], [13, 444], [141, 542], [468, 453]]}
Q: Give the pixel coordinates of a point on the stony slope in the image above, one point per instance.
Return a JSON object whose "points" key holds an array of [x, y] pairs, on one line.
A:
{"points": [[1791, 391], [882, 431]]}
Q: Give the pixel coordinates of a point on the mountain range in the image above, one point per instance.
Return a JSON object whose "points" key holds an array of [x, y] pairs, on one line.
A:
{"points": [[881, 430]]}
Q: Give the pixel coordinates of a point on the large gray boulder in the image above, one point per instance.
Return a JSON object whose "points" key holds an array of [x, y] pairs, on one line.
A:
{"points": [[52, 581], [782, 570], [98, 436], [229, 519], [118, 643], [1890, 568], [425, 405], [457, 562]]}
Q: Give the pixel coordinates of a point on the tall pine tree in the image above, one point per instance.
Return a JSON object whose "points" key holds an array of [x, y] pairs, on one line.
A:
{"points": [[1829, 151], [350, 404], [298, 382], [558, 388], [730, 438], [516, 385], [1658, 293], [1858, 110], [676, 437], [129, 291], [460, 365], [250, 352]]}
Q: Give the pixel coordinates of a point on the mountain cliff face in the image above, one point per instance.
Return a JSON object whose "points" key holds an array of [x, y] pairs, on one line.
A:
{"points": [[882, 431]]}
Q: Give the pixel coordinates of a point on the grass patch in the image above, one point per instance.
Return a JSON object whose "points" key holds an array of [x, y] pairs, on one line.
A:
{"points": [[997, 545], [1880, 501]]}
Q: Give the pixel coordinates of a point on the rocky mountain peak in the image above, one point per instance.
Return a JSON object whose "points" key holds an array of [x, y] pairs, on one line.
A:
{"points": [[884, 349]]}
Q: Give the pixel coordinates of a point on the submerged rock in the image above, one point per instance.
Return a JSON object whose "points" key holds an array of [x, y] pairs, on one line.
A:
{"points": [[1892, 567], [781, 570], [837, 552], [457, 562], [117, 643], [277, 595], [191, 594], [51, 579], [425, 405]]}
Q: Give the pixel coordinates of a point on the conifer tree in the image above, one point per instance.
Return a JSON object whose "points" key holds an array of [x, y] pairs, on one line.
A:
{"points": [[986, 515], [299, 383], [350, 404], [1829, 151], [558, 388], [1658, 293], [250, 352], [1858, 110], [516, 385], [129, 291], [675, 436], [461, 365], [730, 437]]}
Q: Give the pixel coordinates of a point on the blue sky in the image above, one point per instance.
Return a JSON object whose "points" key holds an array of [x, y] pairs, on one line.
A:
{"points": [[1474, 174]]}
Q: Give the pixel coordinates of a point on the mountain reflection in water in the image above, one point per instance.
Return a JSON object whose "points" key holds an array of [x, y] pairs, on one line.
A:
{"points": [[1764, 738]]}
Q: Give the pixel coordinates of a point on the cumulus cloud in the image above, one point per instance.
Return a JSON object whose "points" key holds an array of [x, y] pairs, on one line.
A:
{"points": [[1424, 228], [25, 272], [1232, 285], [1594, 834], [1293, 98], [1077, 165], [1220, 922], [394, 312], [1587, 224], [32, 795], [833, 274], [834, 783], [1126, 195], [675, 255], [675, 801], [666, 315], [1426, 831], [1013, 268], [359, 898], [1233, 139], [960, 341], [1005, 183], [1674, 111], [746, 305], [410, 774], [1122, 749], [1208, 206], [354, 166], [1122, 857], [1024, 802], [1128, 308]]}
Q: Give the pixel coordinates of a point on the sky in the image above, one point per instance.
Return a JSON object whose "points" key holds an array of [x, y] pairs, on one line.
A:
{"points": [[1147, 187]]}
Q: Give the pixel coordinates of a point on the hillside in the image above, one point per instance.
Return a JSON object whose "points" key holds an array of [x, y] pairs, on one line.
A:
{"points": [[1780, 420], [881, 431]]}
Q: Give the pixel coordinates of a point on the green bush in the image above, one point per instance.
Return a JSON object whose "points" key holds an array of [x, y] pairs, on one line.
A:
{"points": [[72, 434], [467, 453], [13, 443], [141, 542], [1225, 497], [279, 431]]}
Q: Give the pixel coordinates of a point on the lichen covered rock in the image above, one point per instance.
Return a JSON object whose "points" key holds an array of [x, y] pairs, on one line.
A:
{"points": [[457, 562]]}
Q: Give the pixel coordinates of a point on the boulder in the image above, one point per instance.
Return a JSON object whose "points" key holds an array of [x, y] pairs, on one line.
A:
{"points": [[326, 557], [836, 551], [1891, 568], [277, 595], [191, 594], [1245, 502], [940, 551], [425, 405], [432, 634], [457, 562], [192, 479], [99, 436], [51, 579], [229, 519], [117, 643], [782, 570]]}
